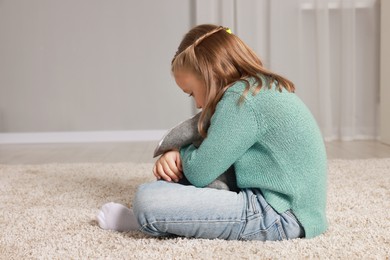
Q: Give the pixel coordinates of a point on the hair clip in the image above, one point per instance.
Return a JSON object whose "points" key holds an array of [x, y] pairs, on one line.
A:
{"points": [[228, 30]]}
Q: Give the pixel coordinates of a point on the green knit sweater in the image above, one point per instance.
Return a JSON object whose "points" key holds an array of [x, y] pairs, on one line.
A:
{"points": [[275, 145]]}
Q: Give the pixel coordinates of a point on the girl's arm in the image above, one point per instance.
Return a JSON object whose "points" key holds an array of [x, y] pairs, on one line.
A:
{"points": [[233, 130]]}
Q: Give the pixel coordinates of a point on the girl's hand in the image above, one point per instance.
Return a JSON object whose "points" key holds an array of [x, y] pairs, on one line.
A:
{"points": [[168, 167]]}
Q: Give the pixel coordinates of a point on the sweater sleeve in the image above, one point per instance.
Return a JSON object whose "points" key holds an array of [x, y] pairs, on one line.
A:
{"points": [[233, 130]]}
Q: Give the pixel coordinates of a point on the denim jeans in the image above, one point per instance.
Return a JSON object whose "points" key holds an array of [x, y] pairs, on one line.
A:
{"points": [[171, 209]]}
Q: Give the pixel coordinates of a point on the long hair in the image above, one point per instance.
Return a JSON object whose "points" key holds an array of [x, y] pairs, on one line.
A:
{"points": [[219, 59]]}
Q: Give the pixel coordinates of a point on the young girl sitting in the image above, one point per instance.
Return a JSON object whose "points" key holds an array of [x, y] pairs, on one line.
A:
{"points": [[251, 120]]}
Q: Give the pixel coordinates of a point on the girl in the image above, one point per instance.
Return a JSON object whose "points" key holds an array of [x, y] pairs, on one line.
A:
{"points": [[251, 120]]}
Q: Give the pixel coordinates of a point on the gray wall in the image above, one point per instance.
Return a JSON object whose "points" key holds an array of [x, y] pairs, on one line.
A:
{"points": [[91, 65]]}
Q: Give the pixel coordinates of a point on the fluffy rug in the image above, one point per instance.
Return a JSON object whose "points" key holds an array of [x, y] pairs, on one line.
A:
{"points": [[48, 211]]}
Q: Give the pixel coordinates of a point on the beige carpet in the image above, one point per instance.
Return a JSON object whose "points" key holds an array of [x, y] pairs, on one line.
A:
{"points": [[47, 211]]}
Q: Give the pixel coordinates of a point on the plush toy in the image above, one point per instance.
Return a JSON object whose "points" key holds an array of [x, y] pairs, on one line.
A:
{"points": [[187, 133]]}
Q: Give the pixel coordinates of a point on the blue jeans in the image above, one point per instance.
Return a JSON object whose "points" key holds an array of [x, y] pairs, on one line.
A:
{"points": [[171, 209]]}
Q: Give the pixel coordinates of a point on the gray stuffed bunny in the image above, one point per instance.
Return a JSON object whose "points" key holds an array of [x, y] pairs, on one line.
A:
{"points": [[187, 133]]}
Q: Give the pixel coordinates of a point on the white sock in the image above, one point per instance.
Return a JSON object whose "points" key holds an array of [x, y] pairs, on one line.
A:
{"points": [[115, 216]]}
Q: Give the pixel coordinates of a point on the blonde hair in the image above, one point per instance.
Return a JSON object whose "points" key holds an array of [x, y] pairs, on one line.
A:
{"points": [[219, 59]]}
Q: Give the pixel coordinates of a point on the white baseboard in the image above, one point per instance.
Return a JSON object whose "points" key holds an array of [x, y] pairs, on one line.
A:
{"points": [[81, 137], [351, 138]]}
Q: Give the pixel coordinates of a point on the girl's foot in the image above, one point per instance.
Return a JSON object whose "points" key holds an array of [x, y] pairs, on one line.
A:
{"points": [[115, 216]]}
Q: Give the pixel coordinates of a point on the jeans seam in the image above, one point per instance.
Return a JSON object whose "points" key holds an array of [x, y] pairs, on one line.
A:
{"points": [[281, 230], [147, 227], [192, 221], [253, 202]]}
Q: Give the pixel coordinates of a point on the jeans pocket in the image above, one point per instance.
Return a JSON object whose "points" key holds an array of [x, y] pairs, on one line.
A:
{"points": [[255, 230]]}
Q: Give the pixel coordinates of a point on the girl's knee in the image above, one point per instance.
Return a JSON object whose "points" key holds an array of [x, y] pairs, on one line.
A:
{"points": [[150, 205], [148, 192], [141, 203], [147, 199], [144, 196]]}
